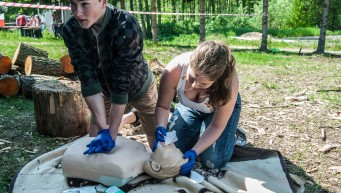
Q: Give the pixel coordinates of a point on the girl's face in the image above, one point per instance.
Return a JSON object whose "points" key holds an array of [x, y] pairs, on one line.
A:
{"points": [[88, 12], [198, 81]]}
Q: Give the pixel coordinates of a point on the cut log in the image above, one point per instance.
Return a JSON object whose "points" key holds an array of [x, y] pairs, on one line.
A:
{"points": [[9, 85], [43, 66], [67, 68], [60, 110], [66, 65], [5, 64], [29, 81], [23, 50]]}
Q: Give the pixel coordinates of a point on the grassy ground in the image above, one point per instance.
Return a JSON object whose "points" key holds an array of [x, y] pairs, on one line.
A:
{"points": [[288, 100]]}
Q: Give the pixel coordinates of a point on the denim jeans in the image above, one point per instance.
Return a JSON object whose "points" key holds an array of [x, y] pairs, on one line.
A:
{"points": [[189, 124]]}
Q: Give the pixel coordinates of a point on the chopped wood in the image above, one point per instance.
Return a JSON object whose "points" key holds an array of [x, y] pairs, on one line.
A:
{"points": [[156, 66], [296, 98], [5, 64], [323, 134], [313, 170], [43, 66], [33, 151], [327, 147], [336, 169], [23, 50], [2, 140], [66, 65], [9, 85], [5, 149], [260, 130]]}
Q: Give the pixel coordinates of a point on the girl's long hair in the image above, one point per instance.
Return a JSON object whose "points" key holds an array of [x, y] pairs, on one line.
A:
{"points": [[215, 60]]}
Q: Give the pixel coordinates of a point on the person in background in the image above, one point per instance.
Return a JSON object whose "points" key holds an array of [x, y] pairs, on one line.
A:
{"points": [[207, 115], [21, 23], [105, 45], [37, 27], [55, 23], [29, 27]]}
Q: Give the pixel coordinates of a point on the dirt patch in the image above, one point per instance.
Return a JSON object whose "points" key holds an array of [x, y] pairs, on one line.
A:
{"points": [[253, 35]]}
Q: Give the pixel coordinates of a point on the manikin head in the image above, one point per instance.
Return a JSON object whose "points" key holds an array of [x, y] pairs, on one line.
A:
{"points": [[88, 12]]}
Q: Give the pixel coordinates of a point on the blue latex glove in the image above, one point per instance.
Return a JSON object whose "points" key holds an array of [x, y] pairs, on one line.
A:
{"points": [[101, 144], [160, 136], [187, 167]]}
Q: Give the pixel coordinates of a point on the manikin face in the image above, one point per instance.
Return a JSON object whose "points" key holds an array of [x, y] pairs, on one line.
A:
{"points": [[88, 12]]}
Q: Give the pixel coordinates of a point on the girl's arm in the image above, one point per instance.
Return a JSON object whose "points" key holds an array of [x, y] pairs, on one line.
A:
{"points": [[219, 121]]}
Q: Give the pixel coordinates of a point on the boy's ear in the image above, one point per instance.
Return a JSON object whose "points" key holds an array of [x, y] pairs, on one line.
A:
{"points": [[104, 3]]}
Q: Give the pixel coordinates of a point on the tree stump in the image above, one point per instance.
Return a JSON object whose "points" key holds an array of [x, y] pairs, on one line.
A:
{"points": [[23, 50], [41, 65], [60, 110], [27, 83], [5, 64], [9, 85]]}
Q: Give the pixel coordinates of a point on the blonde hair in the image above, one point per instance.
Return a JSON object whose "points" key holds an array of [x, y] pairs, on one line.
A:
{"points": [[214, 60]]}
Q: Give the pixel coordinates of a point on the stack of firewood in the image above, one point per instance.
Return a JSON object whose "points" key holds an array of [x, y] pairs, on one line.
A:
{"points": [[60, 110], [28, 66]]}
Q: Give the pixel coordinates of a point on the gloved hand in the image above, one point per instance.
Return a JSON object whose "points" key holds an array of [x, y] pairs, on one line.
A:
{"points": [[160, 136], [101, 144], [187, 167]]}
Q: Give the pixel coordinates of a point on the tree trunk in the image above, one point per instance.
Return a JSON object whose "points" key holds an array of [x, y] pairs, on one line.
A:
{"points": [[60, 109], [123, 4], [143, 25], [5, 64], [24, 50], [148, 20], [28, 82], [159, 10], [131, 5], [9, 85], [154, 26], [264, 44], [174, 10], [202, 21], [41, 65], [323, 28]]}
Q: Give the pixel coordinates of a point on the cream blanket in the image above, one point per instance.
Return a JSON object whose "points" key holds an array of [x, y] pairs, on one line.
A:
{"points": [[250, 170]]}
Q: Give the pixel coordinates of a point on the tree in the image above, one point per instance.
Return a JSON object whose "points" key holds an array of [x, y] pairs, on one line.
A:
{"points": [[123, 4], [323, 28], [202, 21], [264, 46], [154, 26]]}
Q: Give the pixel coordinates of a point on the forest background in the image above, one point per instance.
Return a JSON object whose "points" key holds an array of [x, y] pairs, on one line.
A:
{"points": [[286, 18]]}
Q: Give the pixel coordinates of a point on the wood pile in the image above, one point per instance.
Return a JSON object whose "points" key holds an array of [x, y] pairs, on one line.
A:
{"points": [[60, 110]]}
